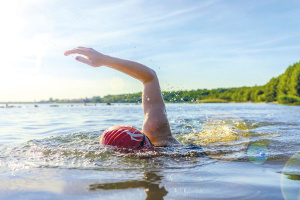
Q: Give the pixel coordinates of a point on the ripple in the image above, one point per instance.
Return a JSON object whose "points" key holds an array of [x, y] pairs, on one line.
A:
{"points": [[212, 190], [82, 151], [65, 143]]}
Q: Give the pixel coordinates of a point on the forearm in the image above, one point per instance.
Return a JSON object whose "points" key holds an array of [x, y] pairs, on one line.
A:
{"points": [[96, 59], [131, 68]]}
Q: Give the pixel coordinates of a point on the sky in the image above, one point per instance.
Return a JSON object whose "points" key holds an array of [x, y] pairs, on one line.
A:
{"points": [[191, 44]]}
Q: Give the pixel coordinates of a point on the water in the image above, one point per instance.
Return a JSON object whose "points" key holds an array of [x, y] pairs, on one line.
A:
{"points": [[53, 153]]}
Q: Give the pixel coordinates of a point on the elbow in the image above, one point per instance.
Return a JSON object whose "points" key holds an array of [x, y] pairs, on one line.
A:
{"points": [[150, 76]]}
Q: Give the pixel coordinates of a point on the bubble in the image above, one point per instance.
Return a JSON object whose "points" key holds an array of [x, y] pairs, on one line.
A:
{"points": [[290, 178], [257, 153], [224, 137], [116, 83]]}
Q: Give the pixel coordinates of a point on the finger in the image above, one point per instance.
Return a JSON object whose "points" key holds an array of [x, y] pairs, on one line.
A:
{"points": [[80, 47], [84, 60], [76, 51]]}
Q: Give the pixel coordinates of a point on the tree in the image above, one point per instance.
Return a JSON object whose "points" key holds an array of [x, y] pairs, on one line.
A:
{"points": [[295, 81], [271, 90], [284, 82]]}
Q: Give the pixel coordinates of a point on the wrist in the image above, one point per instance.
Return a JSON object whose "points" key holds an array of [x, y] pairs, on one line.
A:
{"points": [[105, 60]]}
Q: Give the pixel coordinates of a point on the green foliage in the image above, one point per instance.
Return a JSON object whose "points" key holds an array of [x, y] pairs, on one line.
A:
{"points": [[123, 98], [271, 90], [289, 82], [286, 99], [285, 86], [96, 99], [295, 81]]}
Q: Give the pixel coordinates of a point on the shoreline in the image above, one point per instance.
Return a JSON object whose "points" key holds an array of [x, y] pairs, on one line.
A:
{"points": [[10, 104]]}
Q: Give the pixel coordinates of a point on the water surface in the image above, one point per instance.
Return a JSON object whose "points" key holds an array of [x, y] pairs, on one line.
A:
{"points": [[53, 153]]}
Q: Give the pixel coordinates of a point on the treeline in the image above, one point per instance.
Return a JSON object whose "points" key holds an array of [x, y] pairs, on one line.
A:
{"points": [[121, 98], [284, 88]]}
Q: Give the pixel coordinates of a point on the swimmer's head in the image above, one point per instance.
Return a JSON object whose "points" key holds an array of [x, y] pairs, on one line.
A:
{"points": [[126, 137]]}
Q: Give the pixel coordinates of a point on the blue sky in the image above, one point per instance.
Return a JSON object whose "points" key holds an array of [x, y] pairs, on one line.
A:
{"points": [[190, 44]]}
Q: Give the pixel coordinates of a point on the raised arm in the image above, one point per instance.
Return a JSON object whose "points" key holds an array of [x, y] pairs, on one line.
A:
{"points": [[156, 124]]}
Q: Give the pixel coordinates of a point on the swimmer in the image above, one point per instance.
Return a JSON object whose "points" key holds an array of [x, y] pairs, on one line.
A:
{"points": [[156, 129]]}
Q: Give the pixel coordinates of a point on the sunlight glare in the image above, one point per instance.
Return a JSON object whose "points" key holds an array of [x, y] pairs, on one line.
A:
{"points": [[21, 54], [16, 48]]}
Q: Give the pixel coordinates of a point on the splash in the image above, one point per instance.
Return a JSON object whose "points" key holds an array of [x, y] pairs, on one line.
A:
{"points": [[224, 137], [82, 151]]}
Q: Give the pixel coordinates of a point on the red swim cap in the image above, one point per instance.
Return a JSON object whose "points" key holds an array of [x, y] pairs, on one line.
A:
{"points": [[126, 137]]}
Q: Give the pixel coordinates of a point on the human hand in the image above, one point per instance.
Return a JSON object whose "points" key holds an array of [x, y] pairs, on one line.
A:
{"points": [[92, 57]]}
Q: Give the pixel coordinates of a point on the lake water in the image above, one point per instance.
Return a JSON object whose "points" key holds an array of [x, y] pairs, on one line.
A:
{"points": [[53, 153]]}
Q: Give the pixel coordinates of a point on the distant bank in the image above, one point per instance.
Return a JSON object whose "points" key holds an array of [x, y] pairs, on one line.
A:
{"points": [[284, 89]]}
